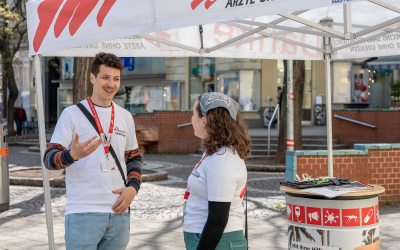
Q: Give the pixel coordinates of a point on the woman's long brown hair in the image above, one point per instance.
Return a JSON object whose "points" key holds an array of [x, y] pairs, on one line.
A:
{"points": [[223, 131]]}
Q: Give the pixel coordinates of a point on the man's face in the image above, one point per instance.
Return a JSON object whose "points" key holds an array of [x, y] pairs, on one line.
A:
{"points": [[21, 106], [107, 82]]}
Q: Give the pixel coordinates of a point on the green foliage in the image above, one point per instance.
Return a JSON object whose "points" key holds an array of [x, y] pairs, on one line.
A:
{"points": [[389, 203], [279, 206], [395, 84], [384, 107], [152, 152]]}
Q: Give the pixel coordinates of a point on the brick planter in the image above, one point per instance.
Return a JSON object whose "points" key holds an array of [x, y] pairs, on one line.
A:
{"points": [[163, 126]]}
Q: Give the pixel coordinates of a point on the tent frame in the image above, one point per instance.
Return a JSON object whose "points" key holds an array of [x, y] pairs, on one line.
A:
{"points": [[324, 31]]}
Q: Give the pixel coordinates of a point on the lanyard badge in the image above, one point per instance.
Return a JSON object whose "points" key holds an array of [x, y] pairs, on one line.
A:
{"points": [[107, 164]]}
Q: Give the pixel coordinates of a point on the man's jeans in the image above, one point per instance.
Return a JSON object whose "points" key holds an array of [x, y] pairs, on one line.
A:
{"points": [[97, 231]]}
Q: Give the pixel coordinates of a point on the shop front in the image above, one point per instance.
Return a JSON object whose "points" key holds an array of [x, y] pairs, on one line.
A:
{"points": [[23, 72], [176, 83]]}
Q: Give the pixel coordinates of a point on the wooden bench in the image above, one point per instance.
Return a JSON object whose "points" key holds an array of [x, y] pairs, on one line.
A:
{"points": [[143, 142]]}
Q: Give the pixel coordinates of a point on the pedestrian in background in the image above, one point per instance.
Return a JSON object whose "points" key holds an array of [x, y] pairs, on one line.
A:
{"points": [[213, 213], [19, 118]]}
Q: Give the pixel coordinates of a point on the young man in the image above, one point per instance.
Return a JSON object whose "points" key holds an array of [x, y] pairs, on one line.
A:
{"points": [[97, 199]]}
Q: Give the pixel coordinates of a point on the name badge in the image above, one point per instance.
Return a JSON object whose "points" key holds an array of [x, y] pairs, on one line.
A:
{"points": [[108, 165]]}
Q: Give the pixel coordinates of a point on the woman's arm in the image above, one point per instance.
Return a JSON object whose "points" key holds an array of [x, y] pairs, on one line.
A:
{"points": [[218, 215]]}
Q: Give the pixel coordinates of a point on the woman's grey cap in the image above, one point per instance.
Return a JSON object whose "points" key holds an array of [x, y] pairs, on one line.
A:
{"points": [[214, 100]]}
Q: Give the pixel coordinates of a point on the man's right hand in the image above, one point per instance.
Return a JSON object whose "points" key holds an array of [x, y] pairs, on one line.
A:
{"points": [[81, 150]]}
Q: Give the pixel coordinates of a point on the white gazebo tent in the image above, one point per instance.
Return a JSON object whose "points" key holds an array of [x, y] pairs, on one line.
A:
{"points": [[212, 28]]}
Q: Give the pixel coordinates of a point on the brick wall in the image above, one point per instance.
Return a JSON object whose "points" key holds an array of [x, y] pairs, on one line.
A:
{"points": [[388, 130], [368, 163], [162, 126]]}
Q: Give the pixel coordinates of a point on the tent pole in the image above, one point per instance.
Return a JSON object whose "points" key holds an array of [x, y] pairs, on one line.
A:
{"points": [[348, 31], [42, 140], [328, 47], [290, 113]]}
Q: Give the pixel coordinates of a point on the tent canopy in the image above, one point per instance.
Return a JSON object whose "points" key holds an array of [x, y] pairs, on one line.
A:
{"points": [[258, 29]]}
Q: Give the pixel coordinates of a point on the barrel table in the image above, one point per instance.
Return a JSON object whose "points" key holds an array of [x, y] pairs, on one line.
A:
{"points": [[346, 222]]}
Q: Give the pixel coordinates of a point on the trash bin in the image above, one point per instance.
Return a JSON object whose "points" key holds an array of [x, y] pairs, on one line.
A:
{"points": [[4, 177], [346, 222]]}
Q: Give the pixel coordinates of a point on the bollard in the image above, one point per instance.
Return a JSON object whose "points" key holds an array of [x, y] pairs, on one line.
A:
{"points": [[4, 176]]}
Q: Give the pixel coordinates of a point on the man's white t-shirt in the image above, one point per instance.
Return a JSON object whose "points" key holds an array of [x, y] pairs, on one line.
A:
{"points": [[220, 177], [89, 189]]}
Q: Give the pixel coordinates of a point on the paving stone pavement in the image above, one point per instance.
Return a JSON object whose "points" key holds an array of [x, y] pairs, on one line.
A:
{"points": [[157, 210]]}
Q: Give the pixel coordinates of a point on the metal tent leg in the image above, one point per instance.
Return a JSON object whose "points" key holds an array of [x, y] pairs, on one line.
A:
{"points": [[42, 140], [329, 112], [290, 106]]}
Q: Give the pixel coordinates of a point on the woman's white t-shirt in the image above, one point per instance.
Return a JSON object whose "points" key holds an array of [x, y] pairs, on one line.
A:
{"points": [[221, 177]]}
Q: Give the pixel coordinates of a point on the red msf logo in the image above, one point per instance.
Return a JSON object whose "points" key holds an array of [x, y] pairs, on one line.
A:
{"points": [[196, 3], [73, 12]]}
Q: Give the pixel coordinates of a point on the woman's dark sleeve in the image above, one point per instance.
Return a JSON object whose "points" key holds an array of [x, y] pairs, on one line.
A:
{"points": [[218, 215]]}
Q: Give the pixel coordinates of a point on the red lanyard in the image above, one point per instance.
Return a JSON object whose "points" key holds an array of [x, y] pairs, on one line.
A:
{"points": [[187, 193], [106, 139]]}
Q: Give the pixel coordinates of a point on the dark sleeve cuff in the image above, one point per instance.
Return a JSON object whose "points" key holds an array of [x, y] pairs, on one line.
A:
{"points": [[134, 184], [67, 157]]}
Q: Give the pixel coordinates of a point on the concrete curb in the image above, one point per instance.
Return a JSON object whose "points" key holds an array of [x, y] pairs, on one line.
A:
{"points": [[265, 168], [159, 175]]}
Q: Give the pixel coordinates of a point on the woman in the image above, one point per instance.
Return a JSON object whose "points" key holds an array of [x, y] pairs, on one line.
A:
{"points": [[213, 215]]}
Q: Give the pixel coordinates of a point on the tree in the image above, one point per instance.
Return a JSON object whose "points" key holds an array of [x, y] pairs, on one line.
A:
{"points": [[82, 87], [13, 31], [299, 72], [298, 92]]}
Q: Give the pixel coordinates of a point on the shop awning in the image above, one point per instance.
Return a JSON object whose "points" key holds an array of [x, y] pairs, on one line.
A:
{"points": [[385, 63]]}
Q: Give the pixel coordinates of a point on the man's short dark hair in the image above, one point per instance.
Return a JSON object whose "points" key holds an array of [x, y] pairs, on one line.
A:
{"points": [[106, 59]]}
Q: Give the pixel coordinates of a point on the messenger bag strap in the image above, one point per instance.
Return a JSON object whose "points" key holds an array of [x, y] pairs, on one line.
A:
{"points": [[90, 117]]}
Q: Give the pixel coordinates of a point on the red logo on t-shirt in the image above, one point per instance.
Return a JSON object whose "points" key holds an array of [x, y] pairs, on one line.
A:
{"points": [[299, 214], [351, 217], [331, 217], [368, 215], [314, 216], [116, 129]]}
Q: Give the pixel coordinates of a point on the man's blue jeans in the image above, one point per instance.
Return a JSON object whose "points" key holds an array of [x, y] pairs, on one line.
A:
{"points": [[97, 231], [19, 127]]}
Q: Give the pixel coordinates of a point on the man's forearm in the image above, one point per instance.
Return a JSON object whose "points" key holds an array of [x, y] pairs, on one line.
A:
{"points": [[133, 161], [57, 157]]}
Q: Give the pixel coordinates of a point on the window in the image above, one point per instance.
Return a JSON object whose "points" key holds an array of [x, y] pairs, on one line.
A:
{"points": [[64, 99], [243, 86], [143, 66], [202, 80], [141, 98], [341, 82]]}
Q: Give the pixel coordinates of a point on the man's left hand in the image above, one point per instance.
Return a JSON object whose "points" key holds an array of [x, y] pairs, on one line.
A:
{"points": [[126, 197]]}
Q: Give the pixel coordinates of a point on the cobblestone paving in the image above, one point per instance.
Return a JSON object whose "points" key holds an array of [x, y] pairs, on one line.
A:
{"points": [[156, 200]]}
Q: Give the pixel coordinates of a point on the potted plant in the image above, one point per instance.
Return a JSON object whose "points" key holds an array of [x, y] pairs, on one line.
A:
{"points": [[269, 100]]}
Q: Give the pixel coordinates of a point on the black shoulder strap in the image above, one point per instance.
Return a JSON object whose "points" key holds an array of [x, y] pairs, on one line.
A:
{"points": [[89, 116]]}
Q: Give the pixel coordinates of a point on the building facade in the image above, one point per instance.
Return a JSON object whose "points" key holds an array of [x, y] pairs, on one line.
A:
{"points": [[159, 83]]}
